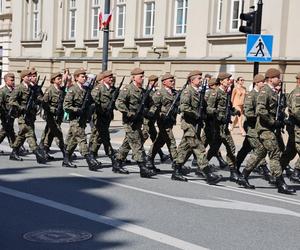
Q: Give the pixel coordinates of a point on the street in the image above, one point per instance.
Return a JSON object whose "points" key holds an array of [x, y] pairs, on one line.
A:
{"points": [[128, 212]]}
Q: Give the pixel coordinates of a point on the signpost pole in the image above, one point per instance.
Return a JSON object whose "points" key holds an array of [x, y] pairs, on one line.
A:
{"points": [[257, 31]]}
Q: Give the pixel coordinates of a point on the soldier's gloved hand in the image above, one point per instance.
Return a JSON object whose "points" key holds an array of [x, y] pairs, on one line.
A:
{"points": [[278, 124]]}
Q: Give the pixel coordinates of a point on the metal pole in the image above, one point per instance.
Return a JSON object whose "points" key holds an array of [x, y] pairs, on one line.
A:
{"points": [[257, 30], [105, 37]]}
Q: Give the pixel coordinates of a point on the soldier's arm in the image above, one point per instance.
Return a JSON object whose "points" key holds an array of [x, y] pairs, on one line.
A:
{"points": [[295, 106], [122, 100], [68, 102], [156, 102], [261, 109], [185, 105], [13, 100], [211, 103]]}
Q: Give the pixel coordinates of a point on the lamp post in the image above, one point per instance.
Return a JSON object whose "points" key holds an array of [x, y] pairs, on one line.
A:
{"points": [[105, 37]]}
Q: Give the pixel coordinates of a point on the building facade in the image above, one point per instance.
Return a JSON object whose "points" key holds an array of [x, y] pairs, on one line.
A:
{"points": [[159, 36]]}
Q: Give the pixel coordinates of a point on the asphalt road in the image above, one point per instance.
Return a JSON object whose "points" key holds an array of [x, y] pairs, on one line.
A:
{"points": [[128, 212]]}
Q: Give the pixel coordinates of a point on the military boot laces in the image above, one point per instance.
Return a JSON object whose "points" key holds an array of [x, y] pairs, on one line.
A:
{"points": [[295, 177], [14, 156], [234, 176], [282, 187], [67, 161], [176, 175], [243, 180], [144, 171], [211, 178], [118, 168]]}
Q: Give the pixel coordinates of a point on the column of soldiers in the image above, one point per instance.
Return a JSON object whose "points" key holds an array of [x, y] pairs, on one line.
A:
{"points": [[205, 116]]}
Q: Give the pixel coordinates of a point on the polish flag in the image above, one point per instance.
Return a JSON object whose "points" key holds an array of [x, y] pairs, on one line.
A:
{"points": [[104, 20]]}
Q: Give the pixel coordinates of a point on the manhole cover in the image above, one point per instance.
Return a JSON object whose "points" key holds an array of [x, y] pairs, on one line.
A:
{"points": [[57, 236]]}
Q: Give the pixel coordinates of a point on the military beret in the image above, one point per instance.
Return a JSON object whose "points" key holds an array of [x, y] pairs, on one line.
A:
{"points": [[194, 73], [212, 81], [54, 75], [223, 75], [208, 75], [33, 71], [107, 73], [258, 78], [298, 75], [9, 75], [99, 77], [25, 72], [167, 76], [272, 72], [137, 71], [153, 78], [78, 72]]}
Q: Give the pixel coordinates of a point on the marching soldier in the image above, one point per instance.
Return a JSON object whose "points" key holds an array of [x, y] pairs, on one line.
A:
{"points": [[191, 118], [7, 122], [128, 103], [267, 127], [18, 101], [73, 105]]}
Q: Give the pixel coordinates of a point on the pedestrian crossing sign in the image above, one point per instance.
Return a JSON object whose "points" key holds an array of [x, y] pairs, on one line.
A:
{"points": [[259, 48]]}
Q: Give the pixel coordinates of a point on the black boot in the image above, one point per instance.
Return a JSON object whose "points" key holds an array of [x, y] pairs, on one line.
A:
{"points": [[289, 171], [282, 187], [295, 177], [163, 157], [22, 151], [222, 163], [118, 168], [243, 179], [177, 175], [267, 175], [40, 157], [93, 164], [211, 178], [144, 171], [47, 155], [194, 162], [67, 161], [14, 156], [199, 172], [234, 176], [150, 165]]}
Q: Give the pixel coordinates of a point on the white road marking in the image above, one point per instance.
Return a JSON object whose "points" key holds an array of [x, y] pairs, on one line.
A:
{"points": [[222, 203], [116, 223]]}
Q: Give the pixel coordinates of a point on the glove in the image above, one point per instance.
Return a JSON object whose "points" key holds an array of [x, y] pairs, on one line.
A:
{"points": [[278, 124]]}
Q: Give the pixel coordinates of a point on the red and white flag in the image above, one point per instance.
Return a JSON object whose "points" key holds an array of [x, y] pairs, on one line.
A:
{"points": [[104, 20]]}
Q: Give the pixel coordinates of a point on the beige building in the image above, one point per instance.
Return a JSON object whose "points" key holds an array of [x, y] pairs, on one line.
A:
{"points": [[158, 35]]}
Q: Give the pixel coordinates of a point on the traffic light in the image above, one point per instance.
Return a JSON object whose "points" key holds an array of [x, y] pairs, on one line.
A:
{"points": [[250, 22]]}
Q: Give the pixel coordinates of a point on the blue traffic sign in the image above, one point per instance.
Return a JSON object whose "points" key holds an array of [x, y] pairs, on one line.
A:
{"points": [[259, 48]]}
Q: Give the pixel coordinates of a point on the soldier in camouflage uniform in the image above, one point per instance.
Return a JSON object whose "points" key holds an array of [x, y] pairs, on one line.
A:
{"points": [[53, 118], [149, 123], [102, 94], [267, 127], [73, 104], [7, 129], [217, 107], [18, 101], [190, 120], [128, 102]]}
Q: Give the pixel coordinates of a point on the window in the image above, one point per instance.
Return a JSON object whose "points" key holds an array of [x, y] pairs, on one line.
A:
{"points": [[219, 21], [236, 9], [149, 12], [36, 19], [72, 19], [181, 15], [95, 18], [120, 22]]}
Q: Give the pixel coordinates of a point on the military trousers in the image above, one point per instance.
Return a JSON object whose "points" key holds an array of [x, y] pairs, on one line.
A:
{"points": [[77, 136], [10, 135], [53, 130], [290, 150]]}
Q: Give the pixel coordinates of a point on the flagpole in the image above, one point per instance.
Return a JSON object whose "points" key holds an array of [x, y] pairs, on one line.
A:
{"points": [[105, 37]]}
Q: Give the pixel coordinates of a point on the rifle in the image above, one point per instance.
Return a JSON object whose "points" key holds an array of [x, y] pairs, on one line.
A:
{"points": [[87, 97], [228, 112], [35, 90], [139, 113], [112, 102], [200, 110], [281, 105], [60, 103], [170, 117]]}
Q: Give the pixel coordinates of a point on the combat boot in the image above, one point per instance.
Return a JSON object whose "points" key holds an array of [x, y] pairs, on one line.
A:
{"points": [[163, 157], [194, 162], [267, 175], [40, 158], [118, 168], [243, 179], [177, 175], [144, 171], [295, 177], [67, 161], [234, 176], [47, 155], [288, 171], [93, 164], [14, 156], [211, 178], [22, 151], [150, 165], [282, 187], [222, 163]]}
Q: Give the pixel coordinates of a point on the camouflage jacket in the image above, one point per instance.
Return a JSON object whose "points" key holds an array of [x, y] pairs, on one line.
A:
{"points": [[5, 94], [50, 99], [250, 112], [293, 103], [102, 96]]}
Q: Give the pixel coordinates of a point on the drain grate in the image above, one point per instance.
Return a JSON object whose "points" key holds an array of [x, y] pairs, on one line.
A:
{"points": [[57, 236]]}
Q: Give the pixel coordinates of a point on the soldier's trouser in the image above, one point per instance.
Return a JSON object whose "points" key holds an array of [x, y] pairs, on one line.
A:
{"points": [[191, 143], [26, 131], [223, 135], [44, 134], [269, 145], [77, 137], [290, 150], [94, 134], [165, 135], [12, 138], [149, 130], [297, 146], [54, 130], [249, 144], [133, 140], [258, 155], [102, 136]]}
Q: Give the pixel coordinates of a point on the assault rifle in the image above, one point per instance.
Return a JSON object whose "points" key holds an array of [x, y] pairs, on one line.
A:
{"points": [[201, 106], [228, 111], [35, 91], [60, 103], [170, 117], [112, 103], [87, 100], [281, 105]]}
